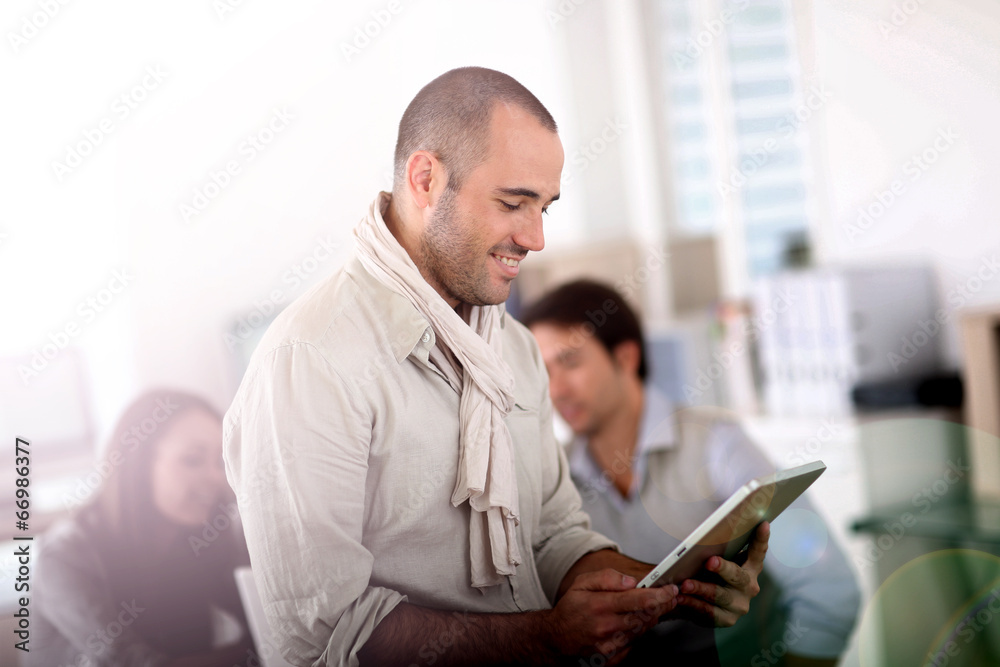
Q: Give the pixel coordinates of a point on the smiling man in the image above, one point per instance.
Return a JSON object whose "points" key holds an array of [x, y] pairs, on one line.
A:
{"points": [[391, 446]]}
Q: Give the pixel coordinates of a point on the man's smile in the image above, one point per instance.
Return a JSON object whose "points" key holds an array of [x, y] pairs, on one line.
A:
{"points": [[509, 264]]}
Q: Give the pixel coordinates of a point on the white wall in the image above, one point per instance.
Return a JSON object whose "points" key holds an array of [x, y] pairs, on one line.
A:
{"points": [[61, 241], [898, 77], [613, 167], [221, 78]]}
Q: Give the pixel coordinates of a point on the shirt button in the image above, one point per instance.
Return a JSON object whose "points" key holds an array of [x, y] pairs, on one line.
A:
{"points": [[426, 337]]}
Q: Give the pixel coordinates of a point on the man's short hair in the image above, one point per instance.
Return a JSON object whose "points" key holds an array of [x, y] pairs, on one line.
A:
{"points": [[584, 302], [450, 117]]}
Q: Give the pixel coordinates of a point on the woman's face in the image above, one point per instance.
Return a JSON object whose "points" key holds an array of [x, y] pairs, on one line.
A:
{"points": [[189, 478]]}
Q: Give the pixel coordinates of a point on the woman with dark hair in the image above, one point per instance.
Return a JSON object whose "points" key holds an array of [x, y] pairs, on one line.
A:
{"points": [[143, 574]]}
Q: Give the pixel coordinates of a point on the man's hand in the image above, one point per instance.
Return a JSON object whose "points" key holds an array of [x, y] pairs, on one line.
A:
{"points": [[602, 560], [721, 605], [603, 612]]}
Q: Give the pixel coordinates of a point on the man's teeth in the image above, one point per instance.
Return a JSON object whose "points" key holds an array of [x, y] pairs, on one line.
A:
{"points": [[507, 260]]}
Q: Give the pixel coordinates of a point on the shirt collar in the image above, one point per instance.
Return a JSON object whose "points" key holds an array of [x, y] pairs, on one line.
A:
{"points": [[657, 429], [408, 329], [410, 333], [405, 326]]}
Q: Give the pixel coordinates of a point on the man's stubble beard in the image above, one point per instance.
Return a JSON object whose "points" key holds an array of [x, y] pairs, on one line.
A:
{"points": [[451, 260]]}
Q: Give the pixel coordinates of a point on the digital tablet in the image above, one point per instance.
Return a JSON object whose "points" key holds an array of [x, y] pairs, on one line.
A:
{"points": [[727, 531]]}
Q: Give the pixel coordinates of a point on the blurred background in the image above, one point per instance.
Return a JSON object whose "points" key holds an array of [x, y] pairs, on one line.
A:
{"points": [[800, 197]]}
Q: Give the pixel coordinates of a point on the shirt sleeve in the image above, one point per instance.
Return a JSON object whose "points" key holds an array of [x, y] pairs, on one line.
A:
{"points": [[296, 447], [563, 535], [818, 590], [72, 594]]}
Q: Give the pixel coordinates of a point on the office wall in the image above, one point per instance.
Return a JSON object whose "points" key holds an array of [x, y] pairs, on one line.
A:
{"points": [[168, 95], [189, 165], [909, 149]]}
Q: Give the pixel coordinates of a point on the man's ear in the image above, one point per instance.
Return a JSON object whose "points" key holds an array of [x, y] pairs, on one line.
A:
{"points": [[626, 356], [425, 178]]}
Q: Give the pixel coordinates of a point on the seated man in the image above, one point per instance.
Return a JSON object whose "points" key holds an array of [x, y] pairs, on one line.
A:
{"points": [[649, 473], [391, 445]]}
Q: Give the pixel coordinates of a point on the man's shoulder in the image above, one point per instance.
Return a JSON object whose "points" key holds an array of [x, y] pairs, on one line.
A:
{"points": [[518, 338], [703, 416], [335, 316], [318, 341], [520, 351]]}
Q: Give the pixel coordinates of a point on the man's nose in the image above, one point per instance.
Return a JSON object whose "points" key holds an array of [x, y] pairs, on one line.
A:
{"points": [[531, 234]]}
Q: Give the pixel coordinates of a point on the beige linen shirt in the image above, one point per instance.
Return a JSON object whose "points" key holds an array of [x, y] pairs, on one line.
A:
{"points": [[342, 447]]}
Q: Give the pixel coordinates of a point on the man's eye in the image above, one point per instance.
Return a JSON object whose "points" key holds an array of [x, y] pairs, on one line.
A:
{"points": [[510, 207], [545, 211]]}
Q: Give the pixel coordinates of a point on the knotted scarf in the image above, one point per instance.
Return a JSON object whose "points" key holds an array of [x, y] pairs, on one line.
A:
{"points": [[486, 475]]}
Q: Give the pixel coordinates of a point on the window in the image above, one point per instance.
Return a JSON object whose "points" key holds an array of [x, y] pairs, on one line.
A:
{"points": [[735, 114]]}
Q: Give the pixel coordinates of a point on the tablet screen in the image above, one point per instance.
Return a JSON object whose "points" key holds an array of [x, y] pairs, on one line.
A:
{"points": [[727, 531]]}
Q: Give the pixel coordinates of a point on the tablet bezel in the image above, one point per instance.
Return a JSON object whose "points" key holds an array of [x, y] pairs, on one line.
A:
{"points": [[727, 531]]}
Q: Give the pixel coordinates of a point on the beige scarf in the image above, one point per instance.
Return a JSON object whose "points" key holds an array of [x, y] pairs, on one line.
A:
{"points": [[486, 476]]}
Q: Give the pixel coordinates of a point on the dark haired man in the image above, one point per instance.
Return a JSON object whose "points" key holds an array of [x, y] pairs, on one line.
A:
{"points": [[649, 472], [403, 497]]}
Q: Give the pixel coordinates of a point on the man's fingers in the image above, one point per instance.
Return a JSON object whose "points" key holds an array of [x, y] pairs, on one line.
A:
{"points": [[604, 580], [723, 605], [704, 613], [726, 599], [655, 601], [697, 611], [616, 594], [719, 595], [733, 574], [758, 548]]}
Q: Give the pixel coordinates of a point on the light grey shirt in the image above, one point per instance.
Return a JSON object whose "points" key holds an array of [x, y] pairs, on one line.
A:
{"points": [[342, 447], [687, 462]]}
